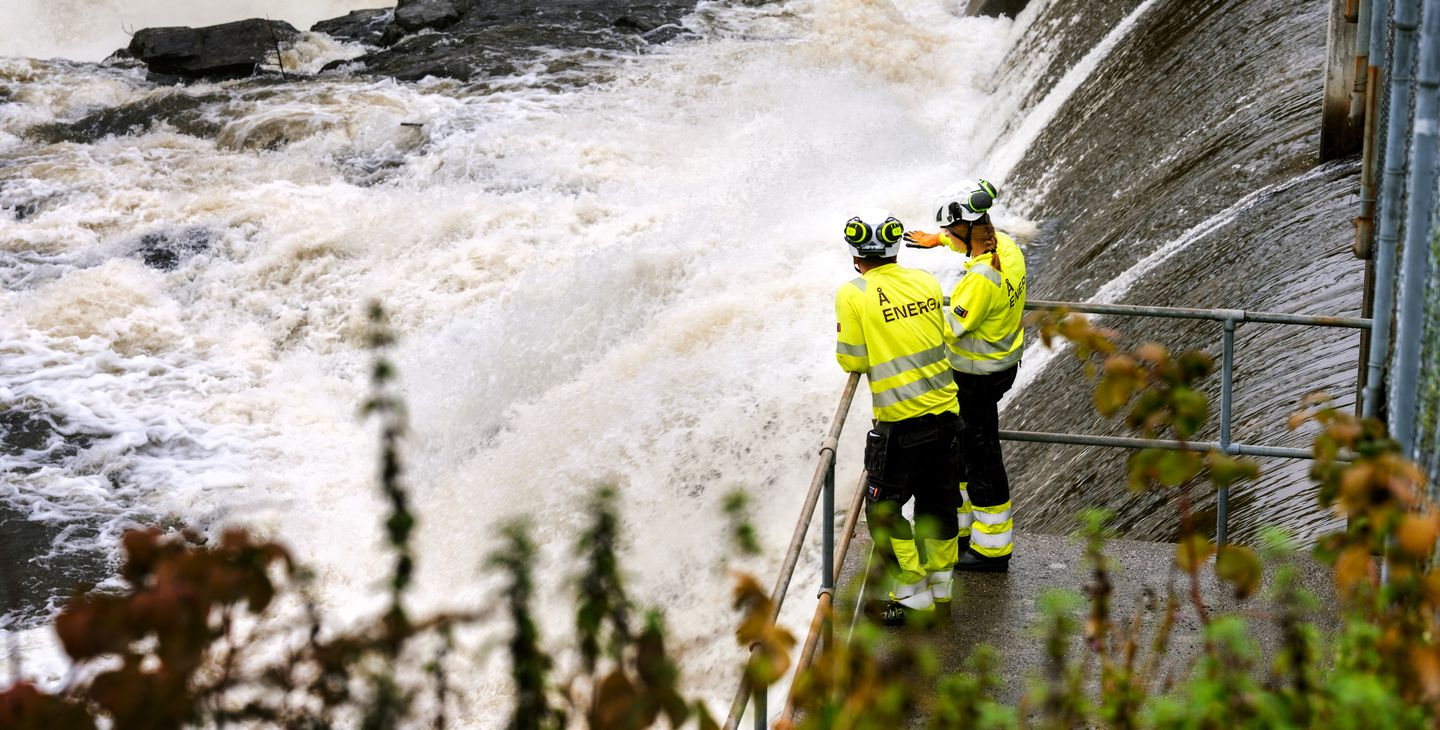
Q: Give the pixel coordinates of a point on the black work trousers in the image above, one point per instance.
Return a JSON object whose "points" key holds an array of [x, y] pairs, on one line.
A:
{"points": [[914, 458], [981, 463]]}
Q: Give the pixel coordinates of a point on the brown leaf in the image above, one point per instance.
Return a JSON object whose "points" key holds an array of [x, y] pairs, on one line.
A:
{"points": [[142, 549], [26, 707], [93, 625], [1346, 431], [1418, 533], [1430, 588], [1426, 662], [1298, 418], [1153, 353], [1355, 486], [614, 699], [1352, 567]]}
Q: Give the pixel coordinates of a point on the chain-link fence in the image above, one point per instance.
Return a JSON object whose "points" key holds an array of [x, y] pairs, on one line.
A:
{"points": [[1427, 411]]}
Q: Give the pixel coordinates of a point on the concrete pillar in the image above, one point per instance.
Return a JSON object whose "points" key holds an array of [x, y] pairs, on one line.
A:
{"points": [[1340, 136]]}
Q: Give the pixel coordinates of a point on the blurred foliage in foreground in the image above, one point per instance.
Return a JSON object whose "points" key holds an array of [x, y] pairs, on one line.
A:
{"points": [[215, 633]]}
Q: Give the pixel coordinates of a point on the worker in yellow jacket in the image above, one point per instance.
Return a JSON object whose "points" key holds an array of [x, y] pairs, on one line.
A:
{"points": [[890, 326], [986, 342]]}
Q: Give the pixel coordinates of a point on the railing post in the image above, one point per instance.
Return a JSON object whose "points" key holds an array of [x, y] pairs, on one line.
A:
{"points": [[827, 542], [1227, 386]]}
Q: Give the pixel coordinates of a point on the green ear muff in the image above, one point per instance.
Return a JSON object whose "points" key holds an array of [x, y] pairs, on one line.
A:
{"points": [[980, 201], [990, 190], [891, 232], [857, 232]]}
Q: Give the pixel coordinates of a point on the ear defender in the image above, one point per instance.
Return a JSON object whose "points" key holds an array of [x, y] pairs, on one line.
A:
{"points": [[980, 201], [990, 190], [891, 231], [857, 232]]}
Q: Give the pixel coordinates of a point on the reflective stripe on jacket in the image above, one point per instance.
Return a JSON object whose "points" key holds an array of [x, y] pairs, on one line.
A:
{"points": [[889, 326], [984, 333]]}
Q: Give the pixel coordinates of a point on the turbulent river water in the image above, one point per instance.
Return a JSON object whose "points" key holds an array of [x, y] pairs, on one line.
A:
{"points": [[619, 269]]}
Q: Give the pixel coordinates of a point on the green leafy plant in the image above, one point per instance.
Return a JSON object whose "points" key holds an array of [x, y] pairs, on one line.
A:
{"points": [[206, 633]]}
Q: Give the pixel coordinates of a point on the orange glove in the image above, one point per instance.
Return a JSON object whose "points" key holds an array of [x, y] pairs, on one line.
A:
{"points": [[921, 239]]}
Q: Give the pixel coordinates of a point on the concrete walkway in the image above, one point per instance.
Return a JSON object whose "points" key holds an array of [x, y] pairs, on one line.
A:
{"points": [[1001, 608]]}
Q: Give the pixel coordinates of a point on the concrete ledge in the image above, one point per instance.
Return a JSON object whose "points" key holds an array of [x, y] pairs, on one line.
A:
{"points": [[1001, 609]]}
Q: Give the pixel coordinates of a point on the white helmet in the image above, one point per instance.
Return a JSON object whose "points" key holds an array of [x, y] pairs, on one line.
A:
{"points": [[874, 233], [967, 200]]}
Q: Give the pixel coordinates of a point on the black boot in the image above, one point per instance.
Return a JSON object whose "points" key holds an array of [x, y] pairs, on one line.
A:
{"points": [[977, 563], [894, 613]]}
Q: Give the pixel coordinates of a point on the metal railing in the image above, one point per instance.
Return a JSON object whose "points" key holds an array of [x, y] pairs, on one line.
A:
{"points": [[1229, 319], [822, 485]]}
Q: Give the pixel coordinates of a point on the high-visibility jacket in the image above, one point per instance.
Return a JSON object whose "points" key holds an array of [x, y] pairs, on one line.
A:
{"points": [[984, 333], [889, 326]]}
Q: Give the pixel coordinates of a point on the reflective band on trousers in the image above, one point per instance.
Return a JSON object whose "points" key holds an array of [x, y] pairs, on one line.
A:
{"points": [[990, 534], [997, 515], [964, 512], [852, 350], [979, 538], [983, 367], [914, 389], [907, 362]]}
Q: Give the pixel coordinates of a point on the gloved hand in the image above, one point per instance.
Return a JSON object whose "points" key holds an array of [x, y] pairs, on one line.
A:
{"points": [[921, 239]]}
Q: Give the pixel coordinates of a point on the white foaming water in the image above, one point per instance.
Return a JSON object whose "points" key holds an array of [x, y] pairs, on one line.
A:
{"points": [[628, 283], [1006, 153]]}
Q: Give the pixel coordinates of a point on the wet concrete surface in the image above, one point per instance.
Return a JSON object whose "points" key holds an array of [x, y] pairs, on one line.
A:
{"points": [[1003, 609]]}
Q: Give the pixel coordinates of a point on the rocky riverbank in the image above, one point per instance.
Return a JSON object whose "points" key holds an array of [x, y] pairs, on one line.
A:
{"points": [[458, 39]]}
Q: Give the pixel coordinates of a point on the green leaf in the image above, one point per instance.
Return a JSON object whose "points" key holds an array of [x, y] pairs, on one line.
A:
{"points": [[1226, 470], [1239, 567], [1177, 467], [1191, 409], [1113, 393], [1142, 470], [1192, 551], [1194, 365]]}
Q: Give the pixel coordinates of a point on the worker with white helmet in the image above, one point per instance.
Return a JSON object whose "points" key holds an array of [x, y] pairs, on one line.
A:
{"points": [[985, 341], [890, 326]]}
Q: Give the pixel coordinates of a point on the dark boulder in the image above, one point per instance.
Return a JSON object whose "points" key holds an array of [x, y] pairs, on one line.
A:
{"points": [[165, 249], [413, 16], [491, 39], [186, 113], [996, 8], [360, 26], [225, 51]]}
